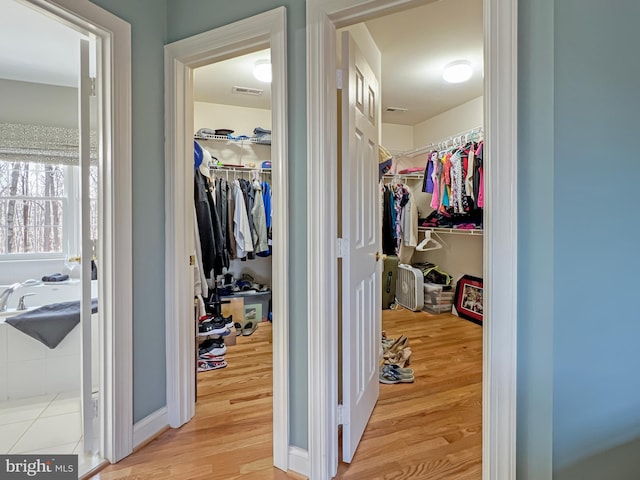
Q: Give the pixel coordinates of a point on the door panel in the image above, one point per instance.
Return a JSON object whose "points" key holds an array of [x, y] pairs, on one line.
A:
{"points": [[90, 424], [361, 270]]}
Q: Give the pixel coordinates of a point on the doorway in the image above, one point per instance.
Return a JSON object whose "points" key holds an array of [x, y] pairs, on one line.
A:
{"points": [[499, 338], [264, 31], [62, 210], [430, 237]]}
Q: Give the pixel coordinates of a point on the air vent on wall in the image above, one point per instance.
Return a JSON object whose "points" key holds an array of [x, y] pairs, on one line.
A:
{"points": [[396, 109], [247, 90]]}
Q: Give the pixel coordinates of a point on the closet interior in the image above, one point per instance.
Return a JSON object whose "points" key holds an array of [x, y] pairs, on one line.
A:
{"points": [[431, 187], [232, 205]]}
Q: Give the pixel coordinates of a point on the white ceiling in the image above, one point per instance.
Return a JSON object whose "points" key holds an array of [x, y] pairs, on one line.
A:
{"points": [[416, 44], [213, 83], [35, 48]]}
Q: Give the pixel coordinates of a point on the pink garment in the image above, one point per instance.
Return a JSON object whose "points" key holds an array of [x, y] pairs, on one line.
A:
{"points": [[437, 168], [481, 189], [411, 170]]}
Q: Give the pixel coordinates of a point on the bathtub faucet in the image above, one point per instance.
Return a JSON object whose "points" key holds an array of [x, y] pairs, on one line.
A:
{"points": [[4, 296]]}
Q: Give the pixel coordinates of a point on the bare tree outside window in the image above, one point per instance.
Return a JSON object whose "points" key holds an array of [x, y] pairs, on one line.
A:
{"points": [[32, 199]]}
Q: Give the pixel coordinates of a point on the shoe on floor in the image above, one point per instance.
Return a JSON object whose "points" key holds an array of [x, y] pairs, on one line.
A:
{"points": [[212, 348], [238, 328], [389, 376], [249, 328], [211, 357], [206, 365], [213, 326], [404, 374]]}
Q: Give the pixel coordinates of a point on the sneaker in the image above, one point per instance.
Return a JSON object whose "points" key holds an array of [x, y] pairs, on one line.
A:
{"points": [[209, 357], [238, 328], [215, 326], [228, 321], [206, 365], [212, 348]]}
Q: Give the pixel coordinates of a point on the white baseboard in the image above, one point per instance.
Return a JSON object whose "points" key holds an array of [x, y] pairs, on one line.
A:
{"points": [[299, 461], [150, 426]]}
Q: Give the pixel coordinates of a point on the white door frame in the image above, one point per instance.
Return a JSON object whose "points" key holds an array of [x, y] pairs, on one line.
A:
{"points": [[266, 30], [500, 222], [115, 246]]}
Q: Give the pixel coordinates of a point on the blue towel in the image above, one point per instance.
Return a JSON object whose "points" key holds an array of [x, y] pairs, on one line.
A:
{"points": [[49, 324]]}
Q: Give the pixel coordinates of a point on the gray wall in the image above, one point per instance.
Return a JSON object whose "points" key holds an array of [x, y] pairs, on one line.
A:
{"points": [[38, 104], [596, 385], [148, 20], [577, 328], [535, 240]]}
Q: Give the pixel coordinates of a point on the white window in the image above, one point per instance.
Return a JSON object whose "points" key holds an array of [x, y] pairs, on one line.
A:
{"points": [[40, 195]]}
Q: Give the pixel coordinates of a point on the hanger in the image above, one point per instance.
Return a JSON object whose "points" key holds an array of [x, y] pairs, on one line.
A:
{"points": [[422, 246]]}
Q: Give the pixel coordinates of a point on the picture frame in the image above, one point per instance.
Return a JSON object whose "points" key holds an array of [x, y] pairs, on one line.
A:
{"points": [[253, 312], [468, 299]]}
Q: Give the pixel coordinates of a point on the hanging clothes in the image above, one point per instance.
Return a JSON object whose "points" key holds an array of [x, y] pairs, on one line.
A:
{"points": [[259, 219], [241, 229]]}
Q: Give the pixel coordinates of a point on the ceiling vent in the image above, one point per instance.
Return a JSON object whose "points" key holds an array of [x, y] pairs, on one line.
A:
{"points": [[396, 109], [247, 90]]}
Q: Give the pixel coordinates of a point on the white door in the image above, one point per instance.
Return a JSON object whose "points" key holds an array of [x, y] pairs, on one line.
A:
{"points": [[90, 429], [361, 233]]}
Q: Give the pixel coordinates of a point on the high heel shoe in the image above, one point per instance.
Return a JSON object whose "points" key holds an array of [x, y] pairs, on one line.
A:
{"points": [[399, 344], [400, 358]]}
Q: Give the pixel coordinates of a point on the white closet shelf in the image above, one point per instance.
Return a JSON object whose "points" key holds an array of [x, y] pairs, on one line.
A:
{"points": [[240, 168], [456, 231], [224, 138], [409, 176]]}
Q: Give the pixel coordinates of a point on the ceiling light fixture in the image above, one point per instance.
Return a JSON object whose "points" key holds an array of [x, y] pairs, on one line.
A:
{"points": [[262, 71], [457, 72]]}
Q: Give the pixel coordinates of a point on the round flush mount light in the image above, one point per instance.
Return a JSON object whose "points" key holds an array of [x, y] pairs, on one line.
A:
{"points": [[457, 72], [262, 71]]}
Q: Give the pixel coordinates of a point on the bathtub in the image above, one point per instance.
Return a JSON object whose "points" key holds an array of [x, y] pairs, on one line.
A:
{"points": [[29, 368]]}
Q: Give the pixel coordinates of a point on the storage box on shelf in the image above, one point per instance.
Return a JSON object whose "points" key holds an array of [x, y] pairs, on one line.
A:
{"points": [[258, 302]]}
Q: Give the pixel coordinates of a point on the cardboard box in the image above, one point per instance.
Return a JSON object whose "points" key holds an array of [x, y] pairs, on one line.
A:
{"points": [[235, 308]]}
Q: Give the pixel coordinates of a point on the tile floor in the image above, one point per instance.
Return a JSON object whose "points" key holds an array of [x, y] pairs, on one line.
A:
{"points": [[48, 424]]}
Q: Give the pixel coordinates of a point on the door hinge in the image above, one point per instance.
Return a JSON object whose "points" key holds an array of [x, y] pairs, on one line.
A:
{"points": [[92, 87], [339, 78], [341, 247], [192, 260], [340, 414]]}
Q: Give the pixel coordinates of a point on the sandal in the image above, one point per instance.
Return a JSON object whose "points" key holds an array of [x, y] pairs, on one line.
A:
{"points": [[405, 374], [400, 358], [388, 376], [249, 328], [238, 328], [399, 344], [400, 370]]}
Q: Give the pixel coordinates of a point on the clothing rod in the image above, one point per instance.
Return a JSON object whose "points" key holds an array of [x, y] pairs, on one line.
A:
{"points": [[443, 144], [239, 168], [456, 231]]}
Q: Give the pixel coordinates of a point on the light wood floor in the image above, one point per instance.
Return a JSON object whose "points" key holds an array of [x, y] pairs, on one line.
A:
{"points": [[430, 429], [427, 430]]}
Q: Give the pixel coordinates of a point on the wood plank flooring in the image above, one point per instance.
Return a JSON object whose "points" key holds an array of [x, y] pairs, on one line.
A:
{"points": [[430, 429]]}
